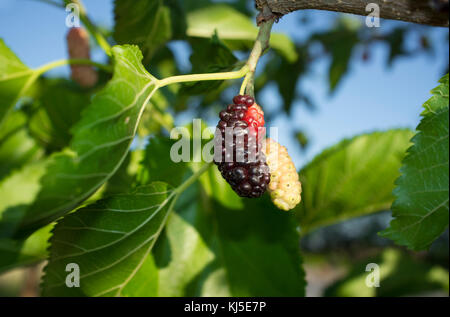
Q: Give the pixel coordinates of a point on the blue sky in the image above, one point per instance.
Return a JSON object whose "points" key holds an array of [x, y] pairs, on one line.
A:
{"points": [[372, 96]]}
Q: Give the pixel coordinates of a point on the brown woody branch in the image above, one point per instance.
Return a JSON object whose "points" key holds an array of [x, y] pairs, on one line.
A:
{"points": [[417, 11]]}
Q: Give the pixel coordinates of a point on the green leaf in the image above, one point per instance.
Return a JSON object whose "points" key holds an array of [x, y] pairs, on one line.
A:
{"points": [[16, 146], [217, 244], [142, 22], [421, 205], [439, 100], [16, 191], [209, 249], [110, 241], [339, 43], [182, 252], [235, 28], [157, 164], [15, 79], [124, 179], [209, 56], [144, 282], [206, 248], [353, 178], [19, 253], [60, 106], [157, 116], [100, 143], [240, 6]]}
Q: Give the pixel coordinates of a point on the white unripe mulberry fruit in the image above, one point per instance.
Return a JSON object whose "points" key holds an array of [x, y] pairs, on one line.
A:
{"points": [[284, 187]]}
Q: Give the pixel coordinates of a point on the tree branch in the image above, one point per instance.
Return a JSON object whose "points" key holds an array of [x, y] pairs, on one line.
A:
{"points": [[417, 11]]}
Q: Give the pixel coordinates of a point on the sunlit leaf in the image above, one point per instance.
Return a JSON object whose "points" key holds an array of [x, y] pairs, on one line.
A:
{"points": [[421, 201], [110, 242], [100, 143], [16, 146], [16, 191], [156, 117], [439, 100], [352, 178], [15, 79]]}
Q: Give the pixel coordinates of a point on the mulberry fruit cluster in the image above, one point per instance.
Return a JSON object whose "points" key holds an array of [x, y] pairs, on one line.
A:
{"points": [[238, 147], [284, 187]]}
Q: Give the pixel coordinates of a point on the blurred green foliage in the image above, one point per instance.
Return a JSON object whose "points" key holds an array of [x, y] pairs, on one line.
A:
{"points": [[400, 275], [341, 183]]}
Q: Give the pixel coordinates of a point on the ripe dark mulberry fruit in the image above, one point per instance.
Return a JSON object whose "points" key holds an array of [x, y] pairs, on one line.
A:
{"points": [[238, 147]]}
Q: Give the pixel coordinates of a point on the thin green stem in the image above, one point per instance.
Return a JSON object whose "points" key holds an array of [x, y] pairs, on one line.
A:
{"points": [[180, 189], [248, 70], [244, 84], [261, 44], [74, 61], [193, 178], [202, 77], [97, 35], [91, 27]]}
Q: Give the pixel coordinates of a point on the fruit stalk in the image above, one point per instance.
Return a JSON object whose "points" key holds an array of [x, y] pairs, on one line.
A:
{"points": [[72, 61], [261, 45]]}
